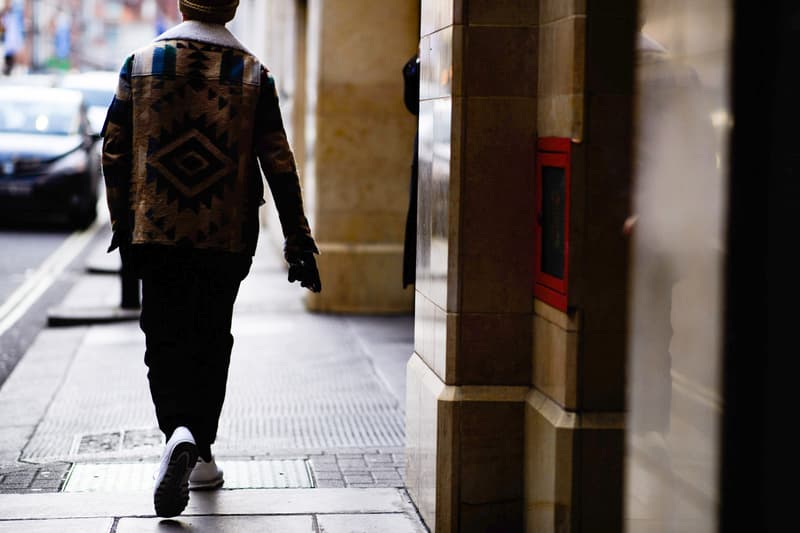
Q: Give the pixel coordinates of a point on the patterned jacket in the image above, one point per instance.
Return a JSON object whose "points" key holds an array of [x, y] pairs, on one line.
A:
{"points": [[194, 113]]}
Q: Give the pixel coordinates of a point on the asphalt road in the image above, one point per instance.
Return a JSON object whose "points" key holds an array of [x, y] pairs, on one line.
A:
{"points": [[23, 250], [26, 262]]}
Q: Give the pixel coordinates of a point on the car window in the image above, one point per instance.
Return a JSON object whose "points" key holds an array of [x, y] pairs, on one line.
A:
{"points": [[49, 117], [96, 97]]}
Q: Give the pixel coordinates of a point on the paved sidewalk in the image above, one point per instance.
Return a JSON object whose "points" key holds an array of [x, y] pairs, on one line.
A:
{"points": [[311, 435]]}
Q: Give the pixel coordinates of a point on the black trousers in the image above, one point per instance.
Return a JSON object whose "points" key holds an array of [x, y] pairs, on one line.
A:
{"points": [[187, 306]]}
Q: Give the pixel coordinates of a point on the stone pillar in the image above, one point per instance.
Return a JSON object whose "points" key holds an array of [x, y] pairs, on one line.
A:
{"points": [[359, 148], [283, 34], [275, 31], [470, 373], [515, 408], [574, 414]]}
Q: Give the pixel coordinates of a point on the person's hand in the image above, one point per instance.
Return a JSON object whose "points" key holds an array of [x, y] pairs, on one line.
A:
{"points": [[303, 268]]}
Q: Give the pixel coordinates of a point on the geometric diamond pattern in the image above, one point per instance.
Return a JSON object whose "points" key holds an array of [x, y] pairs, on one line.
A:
{"points": [[192, 163]]}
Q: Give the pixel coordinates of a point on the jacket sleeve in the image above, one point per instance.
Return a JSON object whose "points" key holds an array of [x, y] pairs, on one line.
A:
{"points": [[117, 158], [277, 161]]}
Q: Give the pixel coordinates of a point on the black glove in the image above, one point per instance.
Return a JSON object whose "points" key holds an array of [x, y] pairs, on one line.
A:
{"points": [[303, 268]]}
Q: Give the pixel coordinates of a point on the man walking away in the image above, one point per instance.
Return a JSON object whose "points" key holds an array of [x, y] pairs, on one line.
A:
{"points": [[193, 112]]}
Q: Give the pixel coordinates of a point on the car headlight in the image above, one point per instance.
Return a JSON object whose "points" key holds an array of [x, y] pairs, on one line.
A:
{"points": [[72, 163]]}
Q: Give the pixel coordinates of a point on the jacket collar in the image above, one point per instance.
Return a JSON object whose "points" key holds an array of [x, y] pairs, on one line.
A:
{"points": [[194, 30]]}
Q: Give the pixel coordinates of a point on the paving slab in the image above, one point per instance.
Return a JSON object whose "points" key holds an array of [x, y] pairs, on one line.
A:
{"points": [[219, 524], [370, 523], [257, 502], [95, 299], [90, 525], [99, 261], [94, 291], [29, 390]]}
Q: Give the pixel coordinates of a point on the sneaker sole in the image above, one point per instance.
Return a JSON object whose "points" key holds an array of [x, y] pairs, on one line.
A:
{"points": [[207, 485], [172, 494]]}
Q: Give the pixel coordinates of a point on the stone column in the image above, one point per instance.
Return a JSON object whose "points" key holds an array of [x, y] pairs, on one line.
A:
{"points": [[359, 149], [574, 414], [275, 31], [515, 408], [470, 372]]}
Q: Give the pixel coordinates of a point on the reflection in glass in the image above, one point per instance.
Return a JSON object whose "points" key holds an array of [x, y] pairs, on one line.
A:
{"points": [[674, 343]]}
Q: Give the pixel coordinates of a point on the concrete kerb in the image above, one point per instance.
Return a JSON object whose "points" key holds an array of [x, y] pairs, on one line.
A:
{"points": [[99, 262], [84, 316]]}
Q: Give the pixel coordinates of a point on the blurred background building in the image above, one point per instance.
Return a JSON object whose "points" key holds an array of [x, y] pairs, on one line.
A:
{"points": [[64, 35]]}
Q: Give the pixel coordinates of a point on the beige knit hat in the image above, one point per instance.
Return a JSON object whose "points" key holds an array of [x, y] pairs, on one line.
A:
{"points": [[218, 11]]}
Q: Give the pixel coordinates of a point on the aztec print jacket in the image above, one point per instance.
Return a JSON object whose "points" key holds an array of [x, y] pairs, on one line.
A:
{"points": [[193, 114]]}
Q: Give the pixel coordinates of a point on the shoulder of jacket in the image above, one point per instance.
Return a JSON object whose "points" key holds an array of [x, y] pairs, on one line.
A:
{"points": [[149, 47], [142, 51]]}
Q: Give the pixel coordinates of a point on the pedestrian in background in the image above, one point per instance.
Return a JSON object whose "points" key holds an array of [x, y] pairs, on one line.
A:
{"points": [[674, 230], [411, 100], [13, 36], [193, 115]]}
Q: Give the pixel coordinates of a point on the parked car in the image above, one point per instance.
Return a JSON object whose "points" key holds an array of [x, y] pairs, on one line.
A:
{"points": [[49, 163], [98, 89]]}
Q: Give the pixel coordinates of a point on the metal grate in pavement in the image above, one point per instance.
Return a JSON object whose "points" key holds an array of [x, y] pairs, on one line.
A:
{"points": [[297, 381], [138, 477], [117, 441], [323, 395]]}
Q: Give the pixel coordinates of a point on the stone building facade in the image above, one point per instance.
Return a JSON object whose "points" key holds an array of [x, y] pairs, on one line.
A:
{"points": [[573, 169]]}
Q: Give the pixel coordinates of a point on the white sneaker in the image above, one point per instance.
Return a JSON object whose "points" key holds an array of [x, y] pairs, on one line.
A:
{"points": [[206, 475], [171, 493]]}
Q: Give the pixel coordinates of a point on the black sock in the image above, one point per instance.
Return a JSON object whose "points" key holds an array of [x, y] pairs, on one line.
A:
{"points": [[204, 450]]}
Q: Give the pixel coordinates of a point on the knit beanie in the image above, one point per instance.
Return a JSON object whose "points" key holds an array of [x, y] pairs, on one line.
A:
{"points": [[217, 11]]}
